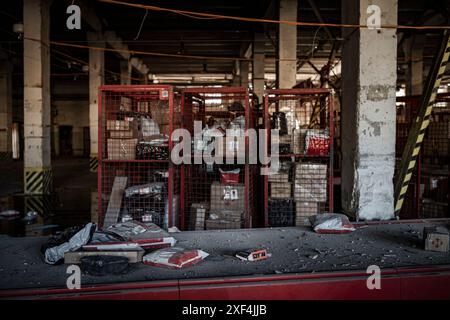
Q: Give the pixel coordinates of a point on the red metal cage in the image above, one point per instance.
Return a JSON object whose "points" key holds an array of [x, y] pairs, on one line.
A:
{"points": [[136, 179], [218, 195], [303, 186]]}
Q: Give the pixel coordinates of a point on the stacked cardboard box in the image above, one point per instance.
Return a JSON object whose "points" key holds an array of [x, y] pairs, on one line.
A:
{"points": [[280, 190], [122, 140], [298, 141], [227, 196], [278, 177], [304, 210], [310, 182], [227, 206], [198, 215]]}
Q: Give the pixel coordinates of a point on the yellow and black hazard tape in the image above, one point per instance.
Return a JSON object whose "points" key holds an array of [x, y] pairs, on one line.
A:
{"points": [[314, 120], [419, 128], [40, 204], [93, 163], [38, 180]]}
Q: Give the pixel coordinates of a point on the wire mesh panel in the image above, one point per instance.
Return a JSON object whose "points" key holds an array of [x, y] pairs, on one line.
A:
{"points": [[427, 195], [218, 183], [303, 185], [136, 177]]}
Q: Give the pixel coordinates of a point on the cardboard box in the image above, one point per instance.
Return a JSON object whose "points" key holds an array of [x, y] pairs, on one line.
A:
{"points": [[227, 196], [298, 141], [310, 190], [122, 149], [160, 113], [125, 104], [118, 125], [306, 209], [280, 189], [278, 177], [198, 216], [310, 182], [310, 171], [436, 239], [228, 215], [302, 221]]}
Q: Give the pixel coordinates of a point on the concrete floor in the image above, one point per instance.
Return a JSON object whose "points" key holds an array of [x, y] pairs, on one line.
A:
{"points": [[70, 205], [294, 250]]}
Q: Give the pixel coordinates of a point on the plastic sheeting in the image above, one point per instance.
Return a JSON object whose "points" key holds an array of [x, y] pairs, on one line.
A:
{"points": [[55, 254]]}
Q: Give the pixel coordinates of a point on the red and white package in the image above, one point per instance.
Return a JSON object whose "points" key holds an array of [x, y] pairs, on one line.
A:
{"points": [[174, 257], [317, 142], [332, 223], [134, 234]]}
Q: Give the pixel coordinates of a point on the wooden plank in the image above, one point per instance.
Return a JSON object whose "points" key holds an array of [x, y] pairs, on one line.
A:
{"points": [[115, 201]]}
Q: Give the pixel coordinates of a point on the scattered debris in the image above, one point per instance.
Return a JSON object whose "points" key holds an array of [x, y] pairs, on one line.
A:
{"points": [[133, 256], [9, 214], [253, 255], [173, 230], [55, 254], [436, 239], [174, 257], [103, 265], [331, 223]]}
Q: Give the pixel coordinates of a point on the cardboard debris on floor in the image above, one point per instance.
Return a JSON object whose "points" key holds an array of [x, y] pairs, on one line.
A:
{"points": [[253, 255], [436, 239], [135, 234], [175, 257], [133, 255], [331, 223]]}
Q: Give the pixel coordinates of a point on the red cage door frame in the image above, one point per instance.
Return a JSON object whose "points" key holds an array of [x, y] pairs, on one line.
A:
{"points": [[267, 125]]}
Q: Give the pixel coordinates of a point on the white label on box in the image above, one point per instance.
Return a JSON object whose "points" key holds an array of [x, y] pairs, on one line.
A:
{"points": [[230, 194]]}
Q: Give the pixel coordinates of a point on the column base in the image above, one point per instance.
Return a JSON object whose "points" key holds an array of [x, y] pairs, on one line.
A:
{"points": [[38, 181], [93, 163]]}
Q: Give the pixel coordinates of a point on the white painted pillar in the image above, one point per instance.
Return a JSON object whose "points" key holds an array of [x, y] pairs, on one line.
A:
{"points": [[36, 97], [287, 45], [369, 73], [125, 72], [96, 79], [5, 110], [244, 69], [258, 65]]}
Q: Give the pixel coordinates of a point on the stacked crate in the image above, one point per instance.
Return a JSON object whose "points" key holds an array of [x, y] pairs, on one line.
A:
{"points": [[303, 185], [219, 113], [136, 177], [310, 190]]}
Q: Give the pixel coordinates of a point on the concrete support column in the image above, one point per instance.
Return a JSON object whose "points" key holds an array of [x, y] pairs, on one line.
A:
{"points": [[96, 79], [5, 110], [258, 65], [287, 45], [125, 72], [369, 73], [244, 69], [36, 97], [413, 49]]}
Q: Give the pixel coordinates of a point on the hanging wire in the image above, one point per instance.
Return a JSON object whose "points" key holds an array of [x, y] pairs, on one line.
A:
{"points": [[142, 24]]}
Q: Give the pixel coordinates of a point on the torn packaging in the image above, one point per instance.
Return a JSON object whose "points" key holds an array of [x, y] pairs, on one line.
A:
{"points": [[55, 254], [174, 257], [134, 235]]}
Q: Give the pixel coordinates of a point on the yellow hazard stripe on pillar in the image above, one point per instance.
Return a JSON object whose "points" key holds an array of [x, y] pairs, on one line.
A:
{"points": [[38, 180], [417, 133], [93, 163]]}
